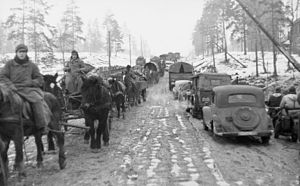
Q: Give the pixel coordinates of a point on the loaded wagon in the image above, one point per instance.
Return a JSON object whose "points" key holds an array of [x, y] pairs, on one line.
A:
{"points": [[152, 72], [179, 71]]}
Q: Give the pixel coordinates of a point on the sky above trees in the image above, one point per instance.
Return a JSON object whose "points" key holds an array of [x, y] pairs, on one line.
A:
{"points": [[166, 26]]}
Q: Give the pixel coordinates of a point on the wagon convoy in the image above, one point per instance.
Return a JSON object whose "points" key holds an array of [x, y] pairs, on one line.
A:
{"points": [[226, 109]]}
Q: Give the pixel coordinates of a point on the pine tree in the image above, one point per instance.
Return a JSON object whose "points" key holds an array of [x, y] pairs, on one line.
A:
{"points": [[116, 37], [71, 30], [27, 24], [94, 41]]}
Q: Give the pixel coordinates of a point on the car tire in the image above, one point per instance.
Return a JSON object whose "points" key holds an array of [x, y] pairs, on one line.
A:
{"points": [[265, 139]]}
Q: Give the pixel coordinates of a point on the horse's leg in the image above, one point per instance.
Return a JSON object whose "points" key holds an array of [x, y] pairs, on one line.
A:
{"points": [[118, 104], [98, 126], [19, 159], [5, 156], [144, 95], [60, 141], [92, 135], [123, 106], [86, 133], [51, 145], [61, 146], [39, 142], [104, 127]]}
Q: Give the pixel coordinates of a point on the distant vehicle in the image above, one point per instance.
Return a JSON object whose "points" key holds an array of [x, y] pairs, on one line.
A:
{"points": [[181, 89], [203, 84], [179, 71], [238, 110], [168, 64], [140, 61]]}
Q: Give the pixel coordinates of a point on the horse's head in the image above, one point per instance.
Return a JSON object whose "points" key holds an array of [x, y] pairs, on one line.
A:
{"points": [[93, 92], [50, 82]]}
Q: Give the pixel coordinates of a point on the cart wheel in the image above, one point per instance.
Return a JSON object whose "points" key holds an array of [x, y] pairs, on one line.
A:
{"points": [[265, 139]]}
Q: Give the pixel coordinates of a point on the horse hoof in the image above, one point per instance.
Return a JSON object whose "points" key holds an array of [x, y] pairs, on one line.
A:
{"points": [[39, 165], [86, 142], [62, 164], [95, 150], [106, 144]]}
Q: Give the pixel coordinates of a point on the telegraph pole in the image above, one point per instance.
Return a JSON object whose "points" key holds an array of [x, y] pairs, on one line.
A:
{"points": [[130, 49], [142, 47], [109, 53]]}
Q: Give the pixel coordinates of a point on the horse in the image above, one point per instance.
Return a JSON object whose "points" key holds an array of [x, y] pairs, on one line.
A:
{"points": [[13, 126], [118, 95], [50, 85], [96, 104], [132, 91], [3, 167], [68, 102]]}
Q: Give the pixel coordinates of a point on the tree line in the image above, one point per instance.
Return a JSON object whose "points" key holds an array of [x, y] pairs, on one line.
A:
{"points": [[27, 24], [221, 18]]}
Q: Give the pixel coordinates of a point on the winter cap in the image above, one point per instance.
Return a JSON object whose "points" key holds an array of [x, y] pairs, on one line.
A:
{"points": [[278, 89], [21, 47], [292, 90], [74, 52]]}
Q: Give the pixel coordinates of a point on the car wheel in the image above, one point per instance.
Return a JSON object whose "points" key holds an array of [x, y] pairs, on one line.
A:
{"points": [[294, 137], [265, 139]]}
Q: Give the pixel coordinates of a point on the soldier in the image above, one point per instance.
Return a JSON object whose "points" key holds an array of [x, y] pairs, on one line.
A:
{"points": [[75, 68], [24, 77]]}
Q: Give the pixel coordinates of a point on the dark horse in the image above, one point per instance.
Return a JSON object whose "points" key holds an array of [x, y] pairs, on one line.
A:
{"points": [[11, 122], [96, 104], [133, 93], [118, 95], [3, 167], [50, 85]]}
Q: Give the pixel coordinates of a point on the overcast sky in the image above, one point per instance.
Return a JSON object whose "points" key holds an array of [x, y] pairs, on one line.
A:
{"points": [[166, 25]]}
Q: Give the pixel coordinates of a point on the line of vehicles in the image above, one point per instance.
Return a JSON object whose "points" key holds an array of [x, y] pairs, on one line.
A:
{"points": [[227, 109]]}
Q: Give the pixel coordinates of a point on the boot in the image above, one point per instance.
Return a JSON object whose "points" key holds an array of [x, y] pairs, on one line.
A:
{"points": [[39, 118]]}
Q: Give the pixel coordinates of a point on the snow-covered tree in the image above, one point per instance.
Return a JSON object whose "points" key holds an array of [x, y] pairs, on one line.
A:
{"points": [[71, 26], [116, 36], [27, 24]]}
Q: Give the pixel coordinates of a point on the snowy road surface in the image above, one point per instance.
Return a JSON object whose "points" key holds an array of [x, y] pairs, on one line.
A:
{"points": [[159, 144]]}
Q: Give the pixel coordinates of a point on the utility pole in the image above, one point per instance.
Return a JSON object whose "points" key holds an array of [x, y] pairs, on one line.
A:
{"points": [[109, 53], [130, 49], [274, 41], [142, 47], [23, 23]]}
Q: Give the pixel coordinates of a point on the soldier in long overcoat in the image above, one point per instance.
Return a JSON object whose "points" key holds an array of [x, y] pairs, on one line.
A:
{"points": [[75, 68], [23, 77]]}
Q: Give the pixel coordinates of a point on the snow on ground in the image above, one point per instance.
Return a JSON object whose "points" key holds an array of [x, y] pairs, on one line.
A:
{"points": [[95, 59], [285, 78]]}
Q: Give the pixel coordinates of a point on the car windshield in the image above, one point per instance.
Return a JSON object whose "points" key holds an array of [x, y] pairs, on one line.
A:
{"points": [[242, 98]]}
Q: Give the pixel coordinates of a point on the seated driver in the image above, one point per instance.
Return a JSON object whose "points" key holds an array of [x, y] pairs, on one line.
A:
{"points": [[289, 101]]}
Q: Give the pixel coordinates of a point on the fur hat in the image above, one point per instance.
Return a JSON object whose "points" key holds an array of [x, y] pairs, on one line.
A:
{"points": [[292, 90], [21, 47], [278, 89]]}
